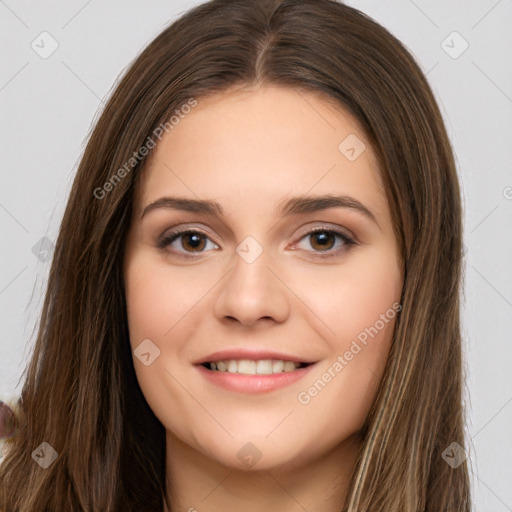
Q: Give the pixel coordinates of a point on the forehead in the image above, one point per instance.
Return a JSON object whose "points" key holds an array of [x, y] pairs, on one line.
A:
{"points": [[246, 146]]}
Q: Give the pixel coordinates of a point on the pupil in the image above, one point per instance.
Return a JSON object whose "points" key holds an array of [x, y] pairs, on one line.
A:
{"points": [[195, 241], [322, 239]]}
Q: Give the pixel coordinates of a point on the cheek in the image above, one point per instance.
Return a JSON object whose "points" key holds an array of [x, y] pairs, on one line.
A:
{"points": [[155, 305], [342, 390], [157, 299], [365, 315], [367, 302], [351, 297], [359, 303]]}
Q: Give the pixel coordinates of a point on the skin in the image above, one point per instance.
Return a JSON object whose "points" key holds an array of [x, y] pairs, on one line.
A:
{"points": [[249, 150]]}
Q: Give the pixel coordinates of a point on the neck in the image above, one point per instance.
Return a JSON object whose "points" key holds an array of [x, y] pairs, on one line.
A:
{"points": [[197, 483]]}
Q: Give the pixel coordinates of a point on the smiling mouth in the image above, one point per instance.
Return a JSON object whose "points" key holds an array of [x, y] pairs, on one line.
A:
{"points": [[254, 367]]}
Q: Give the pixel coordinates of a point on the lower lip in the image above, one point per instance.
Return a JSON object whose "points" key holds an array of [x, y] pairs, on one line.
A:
{"points": [[253, 383]]}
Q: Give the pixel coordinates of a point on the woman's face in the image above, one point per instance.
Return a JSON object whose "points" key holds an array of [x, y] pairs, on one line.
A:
{"points": [[291, 294]]}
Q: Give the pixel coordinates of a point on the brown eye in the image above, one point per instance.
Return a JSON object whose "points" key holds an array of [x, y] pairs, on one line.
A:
{"points": [[326, 243], [322, 240], [192, 242]]}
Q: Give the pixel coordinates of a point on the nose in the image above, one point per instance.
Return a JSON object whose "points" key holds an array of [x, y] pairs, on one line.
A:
{"points": [[251, 293]]}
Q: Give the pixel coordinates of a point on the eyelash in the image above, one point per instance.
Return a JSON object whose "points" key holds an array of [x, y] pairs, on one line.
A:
{"points": [[347, 241]]}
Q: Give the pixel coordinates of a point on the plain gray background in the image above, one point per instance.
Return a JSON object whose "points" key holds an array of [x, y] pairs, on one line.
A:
{"points": [[49, 104]]}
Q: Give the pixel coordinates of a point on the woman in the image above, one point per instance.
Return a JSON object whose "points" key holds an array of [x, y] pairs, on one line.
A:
{"points": [[202, 344]]}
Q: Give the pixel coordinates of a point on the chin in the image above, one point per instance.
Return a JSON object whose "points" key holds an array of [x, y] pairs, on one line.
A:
{"points": [[254, 452]]}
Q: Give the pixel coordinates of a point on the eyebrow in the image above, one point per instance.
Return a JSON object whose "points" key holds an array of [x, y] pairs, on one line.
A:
{"points": [[295, 205]]}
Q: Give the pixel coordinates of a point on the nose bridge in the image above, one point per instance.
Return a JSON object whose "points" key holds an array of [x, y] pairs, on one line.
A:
{"points": [[250, 290]]}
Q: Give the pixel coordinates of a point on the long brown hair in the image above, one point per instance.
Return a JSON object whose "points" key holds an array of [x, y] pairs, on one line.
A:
{"points": [[81, 395]]}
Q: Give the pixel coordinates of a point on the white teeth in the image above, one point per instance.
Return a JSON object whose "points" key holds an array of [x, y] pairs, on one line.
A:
{"points": [[277, 366], [251, 367], [289, 366], [247, 367], [264, 367]]}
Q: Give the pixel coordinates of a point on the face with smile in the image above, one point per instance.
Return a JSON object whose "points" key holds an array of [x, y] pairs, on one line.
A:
{"points": [[262, 276]]}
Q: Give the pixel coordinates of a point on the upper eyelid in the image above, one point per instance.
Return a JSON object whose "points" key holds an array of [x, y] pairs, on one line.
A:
{"points": [[322, 227], [180, 230]]}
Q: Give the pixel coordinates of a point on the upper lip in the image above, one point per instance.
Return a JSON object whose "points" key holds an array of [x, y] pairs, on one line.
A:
{"points": [[247, 353]]}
